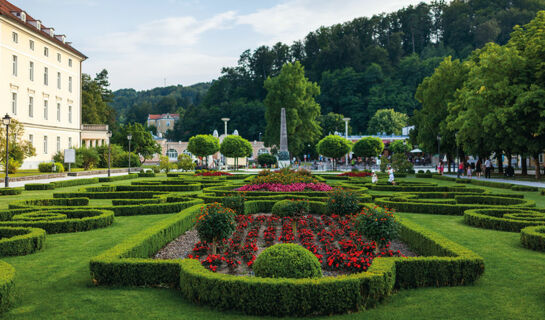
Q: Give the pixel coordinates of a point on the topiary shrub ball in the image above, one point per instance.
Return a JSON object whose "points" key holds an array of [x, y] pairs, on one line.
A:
{"points": [[287, 260]]}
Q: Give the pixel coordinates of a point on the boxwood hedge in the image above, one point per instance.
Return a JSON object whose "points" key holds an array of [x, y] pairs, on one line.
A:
{"points": [[16, 241], [10, 191], [533, 238], [505, 219], [7, 276]]}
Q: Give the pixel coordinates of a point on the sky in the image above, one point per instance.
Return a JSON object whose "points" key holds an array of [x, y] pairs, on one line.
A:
{"points": [[147, 44]]}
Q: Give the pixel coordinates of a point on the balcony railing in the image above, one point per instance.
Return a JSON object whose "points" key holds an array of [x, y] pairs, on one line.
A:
{"points": [[94, 127]]}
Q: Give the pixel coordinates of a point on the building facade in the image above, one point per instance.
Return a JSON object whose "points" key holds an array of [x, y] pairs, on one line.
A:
{"points": [[40, 83], [163, 122]]}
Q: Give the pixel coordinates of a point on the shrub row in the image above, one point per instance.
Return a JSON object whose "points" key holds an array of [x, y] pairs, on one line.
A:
{"points": [[39, 186], [533, 238], [77, 220], [423, 175], [10, 191], [128, 263], [265, 206], [60, 184], [109, 195], [146, 174], [503, 219], [129, 202], [493, 200], [167, 188], [516, 187], [20, 241], [118, 178], [49, 202], [159, 208], [7, 276], [486, 183]]}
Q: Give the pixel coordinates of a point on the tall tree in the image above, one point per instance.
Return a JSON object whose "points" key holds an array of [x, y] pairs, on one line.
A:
{"points": [[292, 90], [203, 145], [95, 97], [387, 121], [142, 142]]}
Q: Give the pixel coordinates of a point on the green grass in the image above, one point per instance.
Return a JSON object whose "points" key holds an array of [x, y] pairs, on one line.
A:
{"points": [[55, 282]]}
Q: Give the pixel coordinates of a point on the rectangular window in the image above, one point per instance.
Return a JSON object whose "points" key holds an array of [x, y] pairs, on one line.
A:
{"points": [[58, 144], [15, 37], [14, 66], [69, 142], [46, 51], [46, 111], [46, 76], [31, 70], [45, 144], [70, 62], [70, 114], [31, 139], [31, 106], [58, 111], [14, 102], [31, 44], [58, 80], [58, 57], [70, 84]]}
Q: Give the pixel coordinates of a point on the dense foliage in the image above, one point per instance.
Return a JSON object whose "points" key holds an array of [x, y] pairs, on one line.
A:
{"points": [[342, 202], [215, 223], [377, 224], [333, 146], [283, 176]]}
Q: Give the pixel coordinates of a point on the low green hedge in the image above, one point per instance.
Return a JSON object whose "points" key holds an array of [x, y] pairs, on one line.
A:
{"points": [[49, 202], [492, 200], [533, 238], [159, 208], [10, 191], [516, 187], [423, 175], [20, 241], [7, 286], [504, 219], [39, 186], [78, 220], [148, 174], [118, 178], [166, 188], [130, 202], [74, 182], [103, 188], [265, 206], [128, 263], [109, 195]]}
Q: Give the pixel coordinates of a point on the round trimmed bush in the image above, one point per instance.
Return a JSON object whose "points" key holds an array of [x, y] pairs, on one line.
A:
{"points": [[290, 208], [287, 260]]}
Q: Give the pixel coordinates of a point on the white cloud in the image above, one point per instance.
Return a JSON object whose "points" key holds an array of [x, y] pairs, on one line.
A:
{"points": [[294, 19]]}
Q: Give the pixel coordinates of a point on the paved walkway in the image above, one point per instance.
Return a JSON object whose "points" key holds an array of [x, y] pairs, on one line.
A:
{"points": [[22, 183], [519, 182]]}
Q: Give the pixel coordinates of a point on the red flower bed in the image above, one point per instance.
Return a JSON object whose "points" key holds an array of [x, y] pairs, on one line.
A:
{"points": [[213, 173], [359, 174], [294, 187], [333, 239]]}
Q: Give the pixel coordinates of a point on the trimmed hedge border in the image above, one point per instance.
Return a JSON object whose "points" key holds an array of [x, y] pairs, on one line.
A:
{"points": [[20, 241], [495, 219], [109, 195], [128, 264], [10, 191], [60, 184], [7, 276], [143, 174], [492, 184], [118, 178], [78, 220], [162, 187], [533, 238], [49, 202]]}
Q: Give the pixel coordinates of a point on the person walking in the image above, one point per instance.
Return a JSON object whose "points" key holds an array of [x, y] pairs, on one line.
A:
{"points": [[478, 168], [470, 170], [460, 169], [487, 168], [391, 175], [441, 168], [374, 178]]}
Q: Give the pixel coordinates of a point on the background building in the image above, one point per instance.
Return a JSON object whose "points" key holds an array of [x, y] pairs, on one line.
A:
{"points": [[40, 83], [162, 122]]}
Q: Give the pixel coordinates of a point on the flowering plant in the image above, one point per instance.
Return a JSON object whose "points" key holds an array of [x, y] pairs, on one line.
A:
{"points": [[215, 223], [284, 176], [278, 187], [211, 173], [377, 224]]}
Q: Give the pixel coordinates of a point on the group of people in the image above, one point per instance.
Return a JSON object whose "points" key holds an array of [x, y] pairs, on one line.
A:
{"points": [[467, 169], [391, 177]]}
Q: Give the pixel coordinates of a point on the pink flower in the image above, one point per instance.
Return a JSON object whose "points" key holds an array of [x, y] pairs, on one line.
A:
{"points": [[294, 187]]}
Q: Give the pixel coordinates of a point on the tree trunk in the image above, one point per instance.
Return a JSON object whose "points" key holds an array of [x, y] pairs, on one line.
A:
{"points": [[523, 166], [538, 169], [214, 247], [499, 161]]}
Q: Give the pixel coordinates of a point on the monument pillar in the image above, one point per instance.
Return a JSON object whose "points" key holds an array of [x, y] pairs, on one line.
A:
{"points": [[283, 153]]}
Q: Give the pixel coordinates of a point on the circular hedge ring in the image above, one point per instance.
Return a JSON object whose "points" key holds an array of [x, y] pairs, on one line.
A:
{"points": [[37, 216], [76, 220], [503, 219], [533, 238], [287, 260], [17, 241]]}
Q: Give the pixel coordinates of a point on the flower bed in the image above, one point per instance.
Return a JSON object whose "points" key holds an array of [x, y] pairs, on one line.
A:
{"points": [[332, 239], [278, 187], [206, 173], [283, 176]]}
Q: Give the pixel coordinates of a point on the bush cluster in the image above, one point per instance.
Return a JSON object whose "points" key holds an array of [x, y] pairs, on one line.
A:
{"points": [[234, 202], [20, 241], [215, 223], [342, 202], [51, 167], [291, 208], [377, 224], [533, 238], [287, 260]]}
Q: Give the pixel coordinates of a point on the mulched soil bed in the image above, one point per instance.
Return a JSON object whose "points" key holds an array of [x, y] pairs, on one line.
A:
{"points": [[332, 239]]}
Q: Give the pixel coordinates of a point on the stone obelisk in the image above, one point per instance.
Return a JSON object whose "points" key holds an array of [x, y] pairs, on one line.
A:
{"points": [[283, 153]]}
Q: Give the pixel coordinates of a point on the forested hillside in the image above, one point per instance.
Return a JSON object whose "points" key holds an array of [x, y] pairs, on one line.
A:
{"points": [[361, 66]]}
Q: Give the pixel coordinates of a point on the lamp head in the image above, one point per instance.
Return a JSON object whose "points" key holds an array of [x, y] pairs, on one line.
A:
{"points": [[6, 120], [129, 137]]}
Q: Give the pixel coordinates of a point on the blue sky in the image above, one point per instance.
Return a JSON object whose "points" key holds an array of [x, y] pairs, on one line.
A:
{"points": [[142, 43]]}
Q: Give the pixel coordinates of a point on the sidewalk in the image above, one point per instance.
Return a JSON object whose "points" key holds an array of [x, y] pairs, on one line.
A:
{"points": [[523, 183], [22, 183]]}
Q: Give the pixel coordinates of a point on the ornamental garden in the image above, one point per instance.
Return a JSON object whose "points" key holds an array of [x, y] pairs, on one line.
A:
{"points": [[279, 243]]}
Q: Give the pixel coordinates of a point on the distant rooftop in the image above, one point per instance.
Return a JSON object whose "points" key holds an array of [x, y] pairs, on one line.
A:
{"points": [[174, 116]]}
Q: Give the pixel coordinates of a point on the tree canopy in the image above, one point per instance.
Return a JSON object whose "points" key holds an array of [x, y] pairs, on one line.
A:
{"points": [[142, 142], [387, 121], [333, 146], [291, 90], [203, 145], [368, 147]]}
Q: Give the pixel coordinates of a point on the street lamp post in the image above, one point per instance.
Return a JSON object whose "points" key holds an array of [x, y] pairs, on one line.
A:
{"points": [[346, 137], [6, 121], [129, 137], [225, 120], [109, 134]]}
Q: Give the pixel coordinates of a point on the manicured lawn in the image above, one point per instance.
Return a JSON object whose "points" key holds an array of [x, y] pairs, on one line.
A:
{"points": [[55, 282]]}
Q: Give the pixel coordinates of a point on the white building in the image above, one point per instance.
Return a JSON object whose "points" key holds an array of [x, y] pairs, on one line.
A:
{"points": [[40, 83]]}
